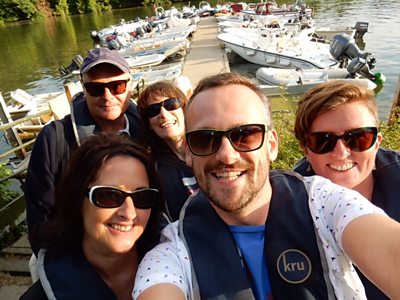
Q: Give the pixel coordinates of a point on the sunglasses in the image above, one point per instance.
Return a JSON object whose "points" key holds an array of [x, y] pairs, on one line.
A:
{"points": [[97, 88], [243, 138], [110, 197], [169, 104], [359, 140]]}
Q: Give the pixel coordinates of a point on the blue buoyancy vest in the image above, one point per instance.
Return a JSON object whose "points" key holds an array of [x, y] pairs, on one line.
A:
{"points": [[296, 261]]}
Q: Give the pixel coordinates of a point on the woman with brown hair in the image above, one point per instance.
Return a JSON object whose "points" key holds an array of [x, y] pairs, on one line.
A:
{"points": [[107, 218], [161, 106], [337, 127]]}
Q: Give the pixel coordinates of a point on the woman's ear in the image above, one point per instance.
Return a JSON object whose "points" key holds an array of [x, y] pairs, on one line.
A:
{"points": [[304, 148], [379, 140]]}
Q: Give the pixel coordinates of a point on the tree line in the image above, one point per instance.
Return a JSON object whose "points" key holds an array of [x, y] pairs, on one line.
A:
{"points": [[19, 10]]}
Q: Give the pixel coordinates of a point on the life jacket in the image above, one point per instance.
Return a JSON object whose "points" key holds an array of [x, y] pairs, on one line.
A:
{"points": [[385, 195], [70, 277], [296, 261]]}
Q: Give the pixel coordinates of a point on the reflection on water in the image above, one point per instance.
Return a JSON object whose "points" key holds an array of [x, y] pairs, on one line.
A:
{"points": [[32, 53]]}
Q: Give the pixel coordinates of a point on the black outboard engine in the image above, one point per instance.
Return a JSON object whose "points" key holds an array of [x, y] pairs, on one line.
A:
{"points": [[359, 66], [343, 48]]}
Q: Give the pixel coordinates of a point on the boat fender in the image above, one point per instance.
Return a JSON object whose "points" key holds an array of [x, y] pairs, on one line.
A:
{"points": [[379, 78]]}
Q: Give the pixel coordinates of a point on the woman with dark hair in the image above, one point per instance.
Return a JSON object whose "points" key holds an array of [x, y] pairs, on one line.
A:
{"points": [[161, 107], [107, 216]]}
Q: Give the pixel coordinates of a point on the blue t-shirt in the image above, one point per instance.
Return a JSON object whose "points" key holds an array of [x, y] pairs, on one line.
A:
{"points": [[250, 241]]}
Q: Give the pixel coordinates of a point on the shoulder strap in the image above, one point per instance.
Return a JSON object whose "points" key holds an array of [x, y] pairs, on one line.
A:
{"points": [[62, 149]]}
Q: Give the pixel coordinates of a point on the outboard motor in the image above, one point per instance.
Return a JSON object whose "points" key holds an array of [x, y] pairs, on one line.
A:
{"points": [[359, 65], [343, 48]]}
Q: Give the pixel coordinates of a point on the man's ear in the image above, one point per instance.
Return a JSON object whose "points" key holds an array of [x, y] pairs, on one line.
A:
{"points": [[272, 141], [188, 156]]}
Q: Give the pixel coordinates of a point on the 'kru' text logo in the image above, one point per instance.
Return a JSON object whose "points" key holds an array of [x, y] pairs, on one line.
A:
{"points": [[294, 266]]}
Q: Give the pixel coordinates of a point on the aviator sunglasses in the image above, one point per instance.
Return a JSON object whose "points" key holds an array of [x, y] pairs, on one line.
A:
{"points": [[169, 104], [359, 140], [244, 138], [110, 197], [97, 88]]}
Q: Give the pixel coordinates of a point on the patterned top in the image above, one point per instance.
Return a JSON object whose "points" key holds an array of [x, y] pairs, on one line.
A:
{"points": [[332, 208]]}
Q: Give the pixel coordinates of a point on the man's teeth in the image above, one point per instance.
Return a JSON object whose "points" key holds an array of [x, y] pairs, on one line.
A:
{"points": [[344, 167], [121, 228], [230, 174]]}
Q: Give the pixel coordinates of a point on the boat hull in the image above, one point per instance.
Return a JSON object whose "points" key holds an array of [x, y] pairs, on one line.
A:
{"points": [[278, 60], [275, 82]]}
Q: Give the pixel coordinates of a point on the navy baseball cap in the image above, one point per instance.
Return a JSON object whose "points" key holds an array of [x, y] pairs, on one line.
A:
{"points": [[104, 56]]}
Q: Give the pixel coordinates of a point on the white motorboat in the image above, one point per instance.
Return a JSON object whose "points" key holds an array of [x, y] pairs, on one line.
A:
{"points": [[275, 81], [280, 51], [291, 52], [271, 8], [145, 60], [149, 75], [168, 48], [328, 32], [155, 37], [31, 112]]}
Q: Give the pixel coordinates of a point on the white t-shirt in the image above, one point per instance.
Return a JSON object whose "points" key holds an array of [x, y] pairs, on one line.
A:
{"points": [[335, 207]]}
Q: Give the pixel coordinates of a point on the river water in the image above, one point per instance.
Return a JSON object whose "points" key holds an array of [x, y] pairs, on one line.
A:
{"points": [[31, 53]]}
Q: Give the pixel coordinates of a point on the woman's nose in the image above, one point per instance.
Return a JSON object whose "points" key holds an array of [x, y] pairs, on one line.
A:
{"points": [[127, 209]]}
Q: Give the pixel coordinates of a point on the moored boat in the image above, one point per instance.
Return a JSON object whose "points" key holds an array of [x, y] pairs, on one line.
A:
{"points": [[274, 81]]}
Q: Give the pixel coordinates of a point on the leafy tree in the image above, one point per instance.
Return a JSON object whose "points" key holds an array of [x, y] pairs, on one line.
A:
{"points": [[14, 10], [156, 3], [62, 8]]}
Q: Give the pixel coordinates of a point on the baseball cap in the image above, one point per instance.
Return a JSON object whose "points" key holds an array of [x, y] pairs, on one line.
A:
{"points": [[104, 55]]}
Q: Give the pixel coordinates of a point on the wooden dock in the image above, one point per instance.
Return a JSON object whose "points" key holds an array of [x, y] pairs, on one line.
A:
{"points": [[206, 56]]}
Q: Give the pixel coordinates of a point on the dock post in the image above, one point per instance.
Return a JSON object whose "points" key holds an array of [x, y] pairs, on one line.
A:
{"points": [[11, 133], [394, 113]]}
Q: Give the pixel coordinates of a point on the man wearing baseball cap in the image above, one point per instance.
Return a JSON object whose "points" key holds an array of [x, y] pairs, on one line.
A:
{"points": [[104, 106]]}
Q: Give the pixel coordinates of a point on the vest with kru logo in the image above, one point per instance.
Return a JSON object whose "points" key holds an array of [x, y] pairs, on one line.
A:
{"points": [[296, 264]]}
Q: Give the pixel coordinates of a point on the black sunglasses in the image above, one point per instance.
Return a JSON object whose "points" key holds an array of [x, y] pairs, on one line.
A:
{"points": [[97, 88], [110, 197], [244, 138], [169, 104], [359, 140]]}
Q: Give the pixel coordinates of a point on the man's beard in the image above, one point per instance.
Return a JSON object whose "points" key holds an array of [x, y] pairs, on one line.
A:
{"points": [[237, 203]]}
